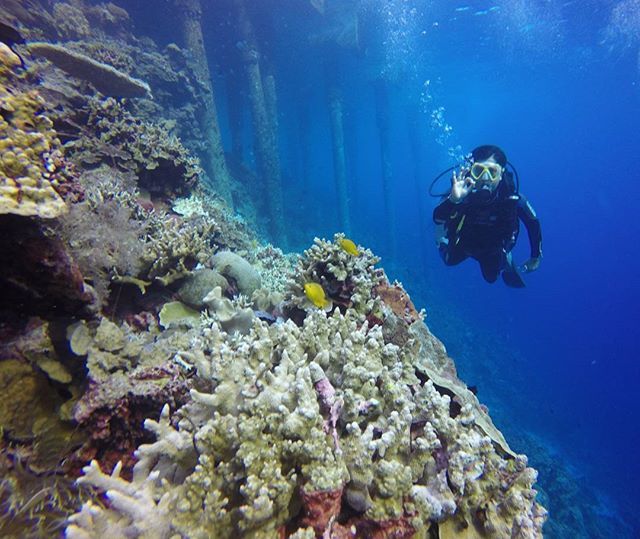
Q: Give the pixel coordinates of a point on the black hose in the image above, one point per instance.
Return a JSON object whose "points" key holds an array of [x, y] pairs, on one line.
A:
{"points": [[431, 193]]}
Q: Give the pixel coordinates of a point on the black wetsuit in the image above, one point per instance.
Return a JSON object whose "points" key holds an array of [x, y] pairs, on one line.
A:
{"points": [[487, 229]]}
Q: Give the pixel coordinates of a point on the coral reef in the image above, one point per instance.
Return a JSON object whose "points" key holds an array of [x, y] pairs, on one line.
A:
{"points": [[232, 317], [131, 376], [176, 314], [197, 285], [347, 280], [37, 432], [39, 277], [114, 239], [323, 426], [243, 407]]}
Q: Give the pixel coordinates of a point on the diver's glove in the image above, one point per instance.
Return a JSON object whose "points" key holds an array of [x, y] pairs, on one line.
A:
{"points": [[531, 265]]}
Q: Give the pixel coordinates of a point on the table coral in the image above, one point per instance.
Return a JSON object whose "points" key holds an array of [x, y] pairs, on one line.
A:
{"points": [[104, 78]]}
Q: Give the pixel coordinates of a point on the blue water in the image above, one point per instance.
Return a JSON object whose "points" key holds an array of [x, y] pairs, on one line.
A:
{"points": [[557, 86]]}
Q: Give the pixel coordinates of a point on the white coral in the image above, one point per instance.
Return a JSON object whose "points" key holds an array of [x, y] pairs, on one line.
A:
{"points": [[136, 509]]}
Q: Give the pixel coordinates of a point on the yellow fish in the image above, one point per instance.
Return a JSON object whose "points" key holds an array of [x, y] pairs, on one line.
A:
{"points": [[348, 246], [315, 294]]}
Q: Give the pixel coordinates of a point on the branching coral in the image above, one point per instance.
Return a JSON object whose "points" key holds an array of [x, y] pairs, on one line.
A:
{"points": [[114, 239], [348, 280], [159, 160], [70, 20], [287, 413], [130, 377]]}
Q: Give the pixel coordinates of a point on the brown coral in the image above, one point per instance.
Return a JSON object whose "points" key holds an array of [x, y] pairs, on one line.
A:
{"points": [[27, 140], [395, 297]]}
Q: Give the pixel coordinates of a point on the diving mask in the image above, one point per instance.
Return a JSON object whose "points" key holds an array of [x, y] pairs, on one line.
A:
{"points": [[486, 172]]}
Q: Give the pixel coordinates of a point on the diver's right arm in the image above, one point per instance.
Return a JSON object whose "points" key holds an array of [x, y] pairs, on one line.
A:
{"points": [[461, 186]]}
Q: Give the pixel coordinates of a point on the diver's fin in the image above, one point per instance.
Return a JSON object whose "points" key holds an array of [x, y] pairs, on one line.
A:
{"points": [[512, 278], [510, 275]]}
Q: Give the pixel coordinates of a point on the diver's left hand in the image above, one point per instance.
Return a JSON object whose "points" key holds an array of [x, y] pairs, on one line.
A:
{"points": [[531, 265]]}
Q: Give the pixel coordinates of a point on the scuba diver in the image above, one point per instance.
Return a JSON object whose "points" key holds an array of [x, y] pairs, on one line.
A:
{"points": [[481, 217]]}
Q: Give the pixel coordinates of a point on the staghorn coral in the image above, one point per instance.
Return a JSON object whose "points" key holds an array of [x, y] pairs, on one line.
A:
{"points": [[274, 266], [175, 247], [70, 20], [108, 16], [327, 427]]}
